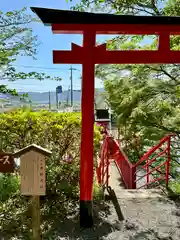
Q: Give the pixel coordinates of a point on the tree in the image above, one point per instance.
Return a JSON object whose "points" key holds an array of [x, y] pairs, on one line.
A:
{"points": [[134, 7], [144, 98], [149, 82], [16, 39]]}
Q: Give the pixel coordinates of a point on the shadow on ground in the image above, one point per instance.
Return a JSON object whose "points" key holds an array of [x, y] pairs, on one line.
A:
{"points": [[69, 228], [58, 222], [121, 184]]}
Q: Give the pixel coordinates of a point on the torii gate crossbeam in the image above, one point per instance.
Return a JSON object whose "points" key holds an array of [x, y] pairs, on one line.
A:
{"points": [[88, 24]]}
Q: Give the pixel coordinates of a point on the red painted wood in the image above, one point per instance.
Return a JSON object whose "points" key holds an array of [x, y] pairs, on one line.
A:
{"points": [[119, 57], [164, 42], [116, 29], [74, 56], [89, 55], [102, 56], [87, 107], [137, 57]]}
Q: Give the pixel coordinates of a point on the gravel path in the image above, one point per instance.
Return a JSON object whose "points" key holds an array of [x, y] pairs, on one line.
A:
{"points": [[144, 220], [148, 214]]}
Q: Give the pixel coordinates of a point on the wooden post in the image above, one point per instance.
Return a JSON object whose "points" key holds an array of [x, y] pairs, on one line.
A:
{"points": [[33, 181], [36, 230]]}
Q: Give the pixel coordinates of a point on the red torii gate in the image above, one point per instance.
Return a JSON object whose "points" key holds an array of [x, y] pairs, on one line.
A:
{"points": [[89, 24]]}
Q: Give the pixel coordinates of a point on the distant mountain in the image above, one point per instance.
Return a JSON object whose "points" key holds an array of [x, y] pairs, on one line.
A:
{"points": [[43, 98]]}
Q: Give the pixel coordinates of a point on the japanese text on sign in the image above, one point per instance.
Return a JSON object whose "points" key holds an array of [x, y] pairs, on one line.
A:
{"points": [[7, 164]]}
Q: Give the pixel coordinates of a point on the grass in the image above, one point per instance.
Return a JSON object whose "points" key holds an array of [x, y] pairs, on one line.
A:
{"points": [[98, 192], [174, 187]]}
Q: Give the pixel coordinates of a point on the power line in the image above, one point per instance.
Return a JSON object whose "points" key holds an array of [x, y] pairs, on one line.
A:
{"points": [[49, 68], [16, 79], [38, 88], [43, 90], [28, 85]]}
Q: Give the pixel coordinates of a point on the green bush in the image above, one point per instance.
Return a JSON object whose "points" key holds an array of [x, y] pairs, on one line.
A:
{"points": [[58, 132], [9, 186], [174, 187]]}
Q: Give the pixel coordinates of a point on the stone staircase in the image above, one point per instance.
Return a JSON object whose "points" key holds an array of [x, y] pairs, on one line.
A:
{"points": [[143, 214], [116, 183]]}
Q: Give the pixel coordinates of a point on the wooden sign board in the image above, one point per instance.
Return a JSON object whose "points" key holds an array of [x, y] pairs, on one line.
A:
{"points": [[33, 174], [32, 169], [7, 164]]}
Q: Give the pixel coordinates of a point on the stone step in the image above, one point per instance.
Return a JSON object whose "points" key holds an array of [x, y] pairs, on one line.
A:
{"points": [[139, 193]]}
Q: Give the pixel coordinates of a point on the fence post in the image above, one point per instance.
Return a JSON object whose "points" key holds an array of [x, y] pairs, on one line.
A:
{"points": [[107, 171], [102, 168], [147, 172], [133, 177], [168, 161]]}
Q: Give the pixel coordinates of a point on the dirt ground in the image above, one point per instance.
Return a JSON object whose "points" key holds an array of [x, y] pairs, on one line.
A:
{"points": [[148, 215]]}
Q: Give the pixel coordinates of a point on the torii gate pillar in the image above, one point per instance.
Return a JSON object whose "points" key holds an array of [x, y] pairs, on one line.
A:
{"points": [[89, 25], [85, 56], [87, 131]]}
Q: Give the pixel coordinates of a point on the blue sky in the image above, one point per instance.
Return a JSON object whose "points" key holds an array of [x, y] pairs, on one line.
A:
{"points": [[49, 42]]}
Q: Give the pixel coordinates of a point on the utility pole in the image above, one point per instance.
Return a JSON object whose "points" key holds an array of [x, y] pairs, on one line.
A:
{"points": [[49, 100], [56, 99], [71, 79], [67, 100]]}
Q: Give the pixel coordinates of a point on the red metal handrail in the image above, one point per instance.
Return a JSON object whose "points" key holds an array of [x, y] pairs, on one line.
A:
{"points": [[102, 169], [148, 167], [152, 150], [110, 149], [126, 168]]}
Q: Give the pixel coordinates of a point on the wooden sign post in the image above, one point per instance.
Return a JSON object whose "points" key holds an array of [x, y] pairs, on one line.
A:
{"points": [[33, 180], [7, 164]]}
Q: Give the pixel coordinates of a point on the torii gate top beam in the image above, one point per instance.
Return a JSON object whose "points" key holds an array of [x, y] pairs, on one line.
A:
{"points": [[63, 21]]}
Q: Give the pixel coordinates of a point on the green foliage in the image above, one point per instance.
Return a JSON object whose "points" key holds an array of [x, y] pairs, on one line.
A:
{"points": [[175, 187], [58, 132], [98, 192], [4, 89], [9, 186], [145, 112], [124, 7], [17, 39], [144, 98]]}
